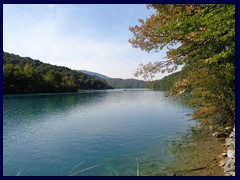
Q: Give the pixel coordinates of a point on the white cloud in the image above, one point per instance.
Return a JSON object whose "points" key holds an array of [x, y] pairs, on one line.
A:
{"points": [[56, 38]]}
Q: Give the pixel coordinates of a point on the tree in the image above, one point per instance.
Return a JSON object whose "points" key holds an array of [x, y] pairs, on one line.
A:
{"points": [[12, 78], [201, 38], [54, 79], [68, 83], [28, 70], [203, 33]]}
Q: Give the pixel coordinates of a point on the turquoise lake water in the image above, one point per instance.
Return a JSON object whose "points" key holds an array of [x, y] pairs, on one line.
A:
{"points": [[103, 132]]}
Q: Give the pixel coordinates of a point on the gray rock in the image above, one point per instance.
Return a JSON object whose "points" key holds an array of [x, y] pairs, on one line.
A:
{"points": [[229, 166], [230, 174], [229, 142], [231, 153]]}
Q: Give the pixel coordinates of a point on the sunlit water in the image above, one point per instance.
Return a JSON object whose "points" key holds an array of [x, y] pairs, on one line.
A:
{"points": [[49, 134]]}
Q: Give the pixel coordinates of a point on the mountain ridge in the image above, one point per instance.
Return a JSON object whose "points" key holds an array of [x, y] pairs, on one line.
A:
{"points": [[95, 74], [118, 82]]}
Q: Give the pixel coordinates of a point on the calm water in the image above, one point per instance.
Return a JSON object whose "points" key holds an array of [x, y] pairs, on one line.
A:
{"points": [[49, 134]]}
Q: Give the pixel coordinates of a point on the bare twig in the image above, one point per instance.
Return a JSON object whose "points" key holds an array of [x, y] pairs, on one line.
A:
{"points": [[19, 173], [76, 167], [85, 169]]}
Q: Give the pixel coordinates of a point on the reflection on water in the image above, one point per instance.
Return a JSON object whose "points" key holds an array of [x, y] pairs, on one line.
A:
{"points": [[48, 134]]}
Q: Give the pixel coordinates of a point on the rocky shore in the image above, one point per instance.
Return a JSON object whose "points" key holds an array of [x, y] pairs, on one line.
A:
{"points": [[227, 160], [200, 155]]}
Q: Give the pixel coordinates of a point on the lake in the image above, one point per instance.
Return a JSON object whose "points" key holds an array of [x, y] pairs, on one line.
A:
{"points": [[91, 132]]}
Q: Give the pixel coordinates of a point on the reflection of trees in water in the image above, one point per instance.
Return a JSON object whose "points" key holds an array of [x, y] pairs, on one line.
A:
{"points": [[35, 107], [60, 101]]}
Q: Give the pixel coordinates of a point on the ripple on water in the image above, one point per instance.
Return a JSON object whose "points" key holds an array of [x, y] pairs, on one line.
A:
{"points": [[50, 134]]}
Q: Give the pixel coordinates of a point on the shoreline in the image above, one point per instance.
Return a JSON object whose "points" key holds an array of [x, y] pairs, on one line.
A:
{"points": [[197, 155], [204, 155]]}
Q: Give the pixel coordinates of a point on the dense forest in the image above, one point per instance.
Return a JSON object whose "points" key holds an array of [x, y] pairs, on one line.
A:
{"points": [[25, 75], [201, 38], [126, 83], [165, 83]]}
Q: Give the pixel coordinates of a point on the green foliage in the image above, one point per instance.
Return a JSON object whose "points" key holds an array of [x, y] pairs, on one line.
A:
{"points": [[201, 37], [25, 75], [126, 83], [200, 33], [117, 82], [166, 82], [213, 96]]}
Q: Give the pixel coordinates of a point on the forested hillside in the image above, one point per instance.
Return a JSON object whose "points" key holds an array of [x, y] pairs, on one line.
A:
{"points": [[118, 82], [165, 83], [25, 75], [126, 83]]}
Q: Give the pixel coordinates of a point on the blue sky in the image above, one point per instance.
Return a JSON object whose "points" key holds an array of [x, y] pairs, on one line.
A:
{"points": [[83, 36]]}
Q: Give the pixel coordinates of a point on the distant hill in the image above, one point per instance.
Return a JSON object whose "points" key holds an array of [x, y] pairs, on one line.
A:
{"points": [[98, 75], [166, 82], [25, 75], [117, 82]]}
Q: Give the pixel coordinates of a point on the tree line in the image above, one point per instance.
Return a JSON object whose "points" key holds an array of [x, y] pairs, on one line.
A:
{"points": [[25, 75], [126, 83], [165, 83]]}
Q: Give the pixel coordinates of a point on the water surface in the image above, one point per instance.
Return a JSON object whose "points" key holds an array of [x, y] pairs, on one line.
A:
{"points": [[49, 134]]}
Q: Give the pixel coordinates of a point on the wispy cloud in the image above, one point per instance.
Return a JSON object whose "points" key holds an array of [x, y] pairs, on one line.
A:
{"points": [[87, 37]]}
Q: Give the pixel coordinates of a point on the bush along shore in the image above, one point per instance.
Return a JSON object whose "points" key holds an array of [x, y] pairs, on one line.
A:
{"points": [[227, 159]]}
